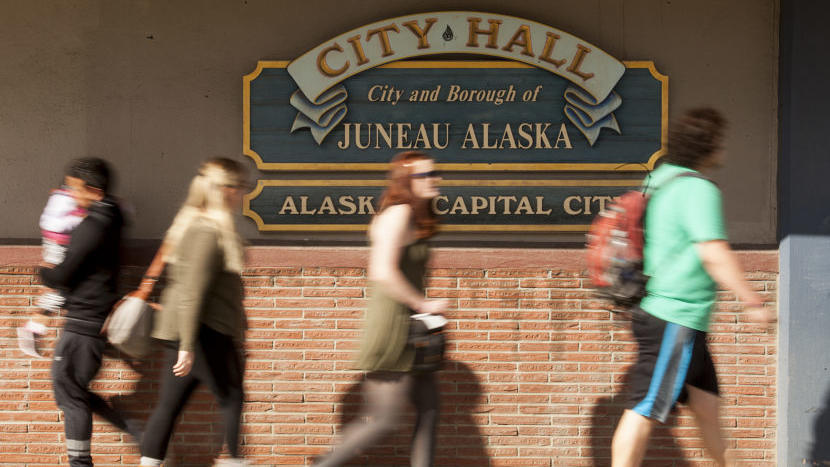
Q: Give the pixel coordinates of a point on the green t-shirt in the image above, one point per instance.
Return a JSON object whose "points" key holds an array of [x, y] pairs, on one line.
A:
{"points": [[684, 212]]}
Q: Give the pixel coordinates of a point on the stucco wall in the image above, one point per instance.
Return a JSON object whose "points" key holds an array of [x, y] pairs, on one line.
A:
{"points": [[155, 86]]}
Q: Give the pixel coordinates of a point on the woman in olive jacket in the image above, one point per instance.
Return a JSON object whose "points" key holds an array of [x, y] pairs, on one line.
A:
{"points": [[202, 319]]}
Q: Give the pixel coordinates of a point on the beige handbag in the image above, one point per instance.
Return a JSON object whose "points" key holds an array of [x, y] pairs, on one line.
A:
{"points": [[130, 323]]}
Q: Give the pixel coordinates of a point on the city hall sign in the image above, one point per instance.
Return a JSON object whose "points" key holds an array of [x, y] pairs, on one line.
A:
{"points": [[543, 100]]}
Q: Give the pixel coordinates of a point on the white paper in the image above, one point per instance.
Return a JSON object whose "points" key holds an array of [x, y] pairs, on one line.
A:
{"points": [[431, 321]]}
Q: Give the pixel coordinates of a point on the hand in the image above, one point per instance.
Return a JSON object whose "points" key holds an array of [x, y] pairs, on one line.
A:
{"points": [[751, 299], [760, 314], [184, 364], [436, 307]]}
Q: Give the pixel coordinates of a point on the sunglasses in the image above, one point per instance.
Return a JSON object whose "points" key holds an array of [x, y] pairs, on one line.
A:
{"points": [[430, 174]]}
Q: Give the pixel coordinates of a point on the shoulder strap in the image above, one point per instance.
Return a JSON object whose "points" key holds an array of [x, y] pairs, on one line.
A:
{"points": [[689, 174]]}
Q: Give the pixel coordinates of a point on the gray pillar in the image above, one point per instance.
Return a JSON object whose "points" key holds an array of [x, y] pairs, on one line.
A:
{"points": [[804, 190]]}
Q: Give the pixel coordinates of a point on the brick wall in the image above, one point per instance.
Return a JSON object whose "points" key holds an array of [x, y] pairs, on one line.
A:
{"points": [[536, 373]]}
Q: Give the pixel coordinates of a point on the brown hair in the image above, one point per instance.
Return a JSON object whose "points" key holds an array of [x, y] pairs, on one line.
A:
{"points": [[399, 191], [695, 136]]}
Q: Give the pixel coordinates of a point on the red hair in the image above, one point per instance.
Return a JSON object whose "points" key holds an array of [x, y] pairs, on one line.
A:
{"points": [[399, 191]]}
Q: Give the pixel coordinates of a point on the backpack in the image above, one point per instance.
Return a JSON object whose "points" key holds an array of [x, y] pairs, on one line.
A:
{"points": [[615, 248]]}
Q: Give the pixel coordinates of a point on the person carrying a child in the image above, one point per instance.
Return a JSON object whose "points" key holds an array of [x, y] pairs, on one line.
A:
{"points": [[59, 218]]}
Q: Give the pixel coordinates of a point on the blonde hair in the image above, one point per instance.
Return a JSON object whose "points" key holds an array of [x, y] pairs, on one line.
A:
{"points": [[206, 200]]}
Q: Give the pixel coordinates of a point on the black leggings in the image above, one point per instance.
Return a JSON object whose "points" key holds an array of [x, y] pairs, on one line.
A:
{"points": [[217, 363], [387, 394]]}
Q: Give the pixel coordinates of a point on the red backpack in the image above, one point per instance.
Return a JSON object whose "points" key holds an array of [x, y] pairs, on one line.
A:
{"points": [[615, 248]]}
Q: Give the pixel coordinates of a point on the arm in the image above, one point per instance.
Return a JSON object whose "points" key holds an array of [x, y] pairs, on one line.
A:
{"points": [[198, 261], [721, 263], [390, 233], [86, 237], [703, 217]]}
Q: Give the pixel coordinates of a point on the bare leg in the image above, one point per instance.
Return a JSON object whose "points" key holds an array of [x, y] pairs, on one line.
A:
{"points": [[385, 401], [706, 407], [629, 444]]}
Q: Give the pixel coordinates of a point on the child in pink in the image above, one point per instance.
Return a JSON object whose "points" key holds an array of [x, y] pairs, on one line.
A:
{"points": [[60, 217]]}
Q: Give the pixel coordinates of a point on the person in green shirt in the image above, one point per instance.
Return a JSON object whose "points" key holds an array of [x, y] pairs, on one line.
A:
{"points": [[686, 255]]}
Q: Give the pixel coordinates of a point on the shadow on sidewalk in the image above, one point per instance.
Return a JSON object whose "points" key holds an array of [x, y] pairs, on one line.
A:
{"points": [[198, 434], [459, 441], [820, 451], [663, 450]]}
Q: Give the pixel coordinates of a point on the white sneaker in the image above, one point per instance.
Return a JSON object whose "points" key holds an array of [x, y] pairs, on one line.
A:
{"points": [[231, 462], [26, 338]]}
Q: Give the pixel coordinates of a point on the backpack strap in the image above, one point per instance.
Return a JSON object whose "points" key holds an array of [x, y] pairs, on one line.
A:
{"points": [[676, 176], [691, 175]]}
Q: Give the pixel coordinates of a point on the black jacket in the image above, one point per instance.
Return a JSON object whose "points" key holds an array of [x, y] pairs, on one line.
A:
{"points": [[88, 275]]}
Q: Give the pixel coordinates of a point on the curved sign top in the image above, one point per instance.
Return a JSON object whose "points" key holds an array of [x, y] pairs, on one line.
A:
{"points": [[544, 100], [466, 32]]}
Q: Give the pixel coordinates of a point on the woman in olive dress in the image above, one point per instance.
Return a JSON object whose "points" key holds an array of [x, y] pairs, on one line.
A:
{"points": [[397, 262]]}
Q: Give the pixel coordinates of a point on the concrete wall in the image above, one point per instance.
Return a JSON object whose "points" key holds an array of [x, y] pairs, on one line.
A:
{"points": [[155, 86]]}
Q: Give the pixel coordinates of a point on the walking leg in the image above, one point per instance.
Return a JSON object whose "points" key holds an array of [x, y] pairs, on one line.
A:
{"points": [[629, 444]]}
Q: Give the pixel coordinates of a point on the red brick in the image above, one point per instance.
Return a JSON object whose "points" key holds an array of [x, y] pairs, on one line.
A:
{"points": [[518, 273], [258, 281], [488, 303], [441, 282], [336, 272], [16, 280], [517, 315], [456, 293], [27, 270], [272, 271], [258, 303], [551, 283], [351, 303], [488, 283], [336, 292], [352, 282], [14, 301], [455, 273], [303, 303], [518, 293], [271, 292], [535, 371]]}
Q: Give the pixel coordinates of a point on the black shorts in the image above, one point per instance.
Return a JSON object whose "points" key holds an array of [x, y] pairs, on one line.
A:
{"points": [[670, 356]]}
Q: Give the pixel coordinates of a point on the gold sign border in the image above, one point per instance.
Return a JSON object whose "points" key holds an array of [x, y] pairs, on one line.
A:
{"points": [[263, 227], [484, 167]]}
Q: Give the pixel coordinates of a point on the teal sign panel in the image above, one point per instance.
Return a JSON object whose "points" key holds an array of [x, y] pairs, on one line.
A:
{"points": [[484, 115], [464, 205]]}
